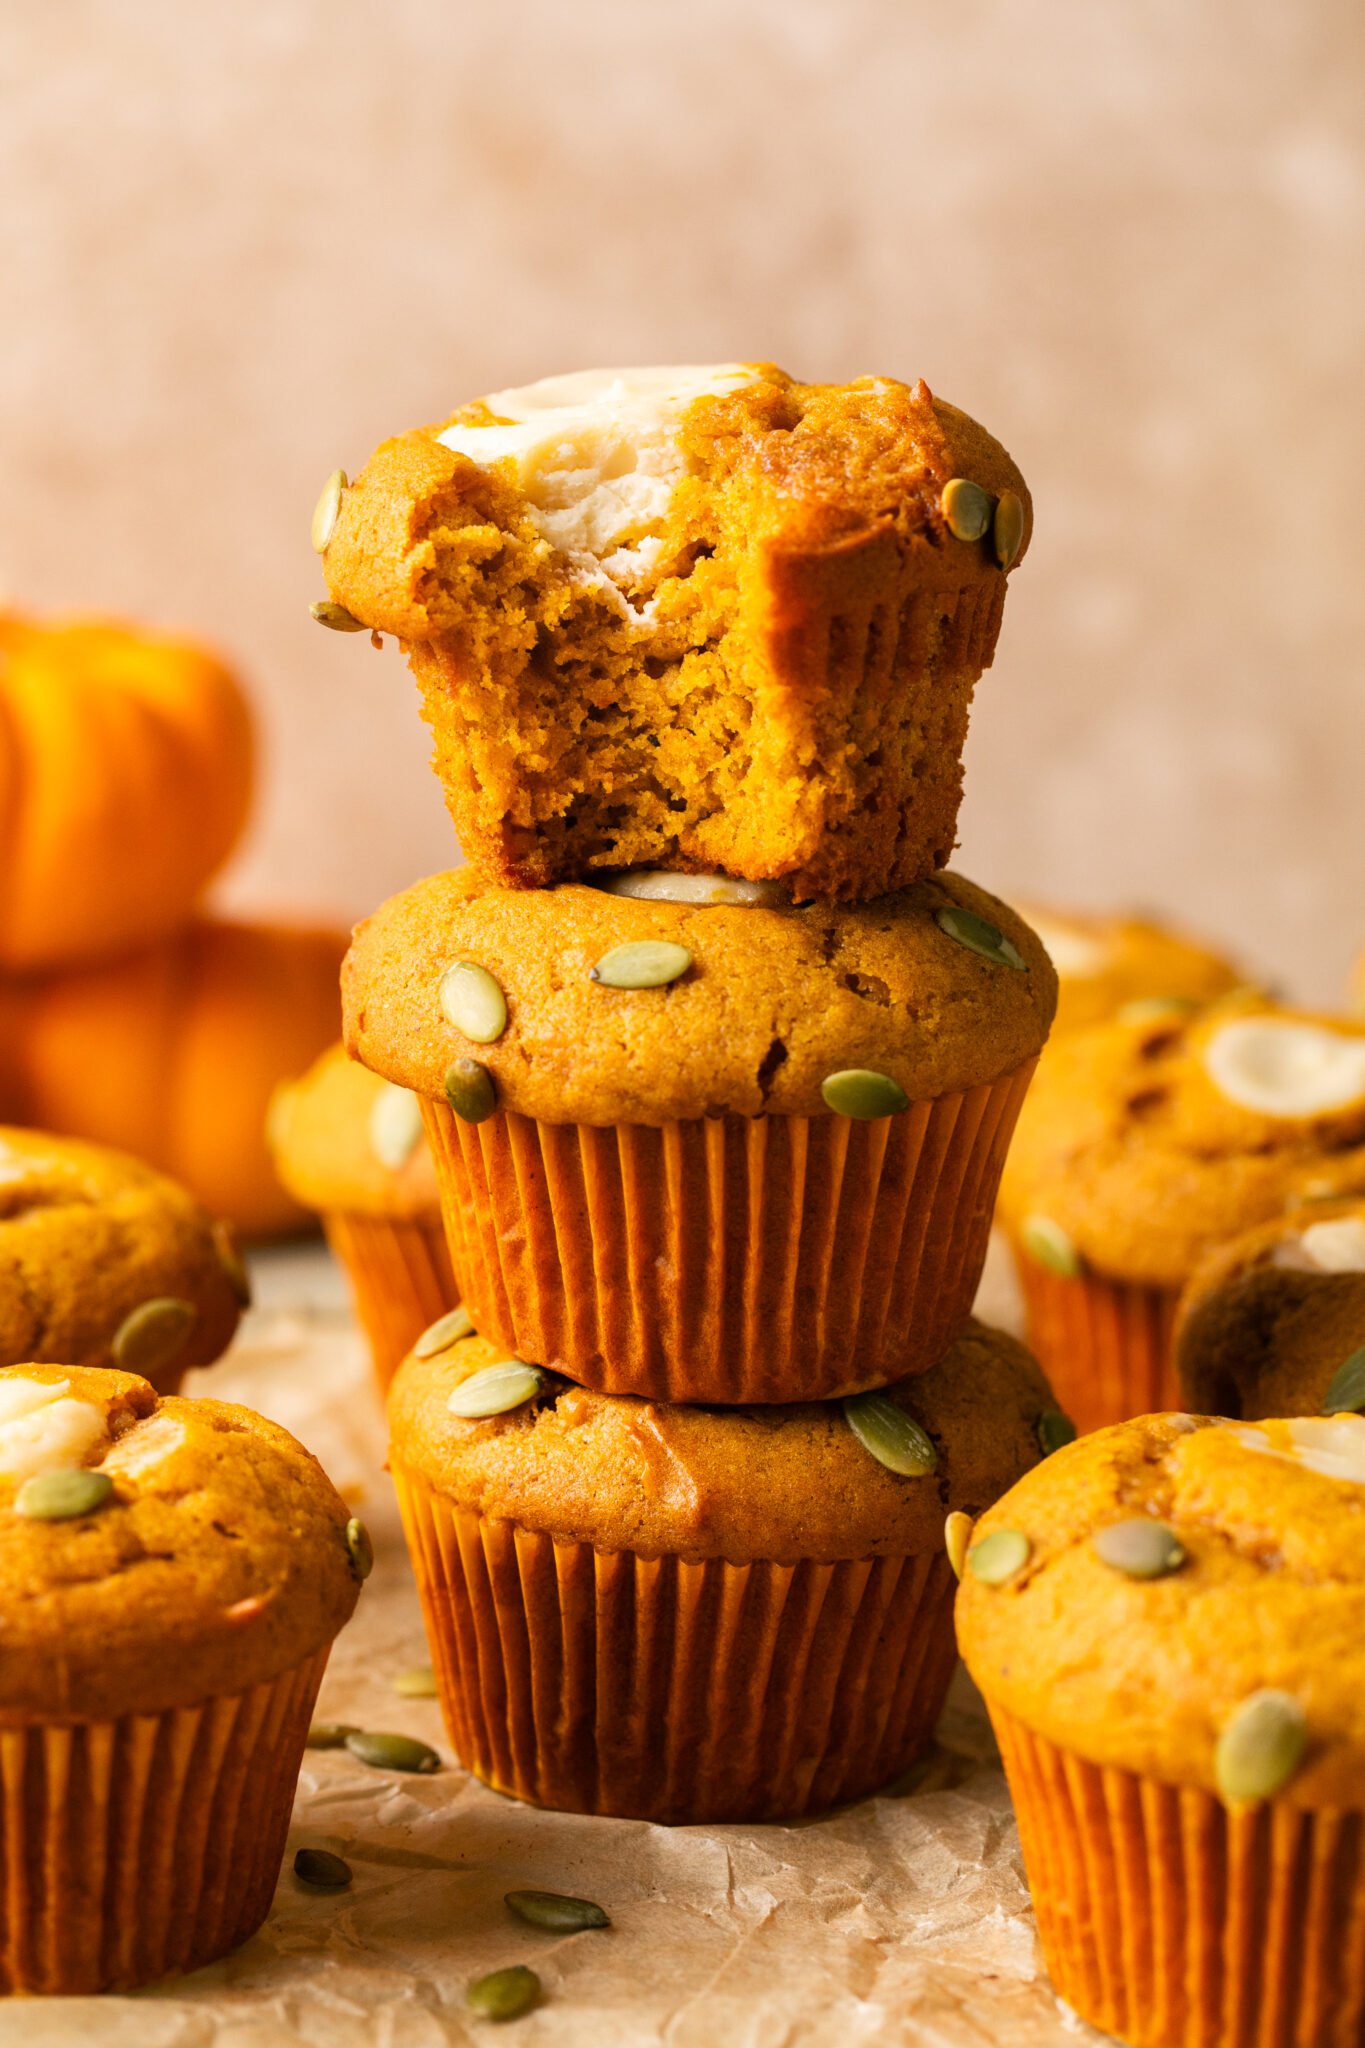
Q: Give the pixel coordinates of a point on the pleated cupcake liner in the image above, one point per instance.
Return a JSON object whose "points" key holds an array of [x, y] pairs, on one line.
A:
{"points": [[1106, 1345], [727, 1259], [130, 1849], [658, 1689], [1173, 1922], [401, 1280]]}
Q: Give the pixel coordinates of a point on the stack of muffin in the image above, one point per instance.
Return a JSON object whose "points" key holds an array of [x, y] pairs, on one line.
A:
{"points": [[718, 1068]]}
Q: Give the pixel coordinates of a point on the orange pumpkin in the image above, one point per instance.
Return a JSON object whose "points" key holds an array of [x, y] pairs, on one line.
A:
{"points": [[125, 779], [173, 1053]]}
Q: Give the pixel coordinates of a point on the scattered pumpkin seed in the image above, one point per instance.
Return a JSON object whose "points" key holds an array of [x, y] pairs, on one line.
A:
{"points": [[330, 1734], [361, 1548], [661, 885], [496, 1390], [967, 508], [63, 1496], [1260, 1747], [1140, 1548], [999, 1556], [470, 1091], [473, 1002], [892, 1437], [1049, 1244], [978, 935], [395, 1126], [1053, 1430], [336, 616], [1007, 533], [957, 1536], [503, 1994], [324, 1871], [392, 1752], [451, 1328], [1150, 1009], [863, 1093], [327, 511], [642, 963], [154, 1333], [1346, 1394], [418, 1683], [558, 1911]]}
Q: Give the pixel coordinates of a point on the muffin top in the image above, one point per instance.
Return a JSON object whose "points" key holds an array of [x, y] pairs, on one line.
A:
{"points": [[1273, 1322], [1104, 963], [106, 1262], [218, 1558], [343, 1139], [780, 1483], [768, 1003], [1146, 1139], [1255, 1536]]}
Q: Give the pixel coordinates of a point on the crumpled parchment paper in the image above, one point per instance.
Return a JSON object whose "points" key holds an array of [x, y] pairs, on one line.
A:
{"points": [[903, 1922]]}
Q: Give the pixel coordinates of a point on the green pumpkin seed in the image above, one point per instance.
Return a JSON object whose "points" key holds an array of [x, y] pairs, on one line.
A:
{"points": [[1261, 1745], [503, 1994], [470, 1091], [324, 1871], [419, 1683], [63, 1496], [327, 511], [393, 1752], [999, 1556], [1047, 1243], [1007, 532], [557, 1911], [232, 1263], [336, 617], [979, 935], [894, 1438], [957, 1536], [660, 885], [361, 1549], [451, 1328], [395, 1126], [1346, 1394], [1139, 1548], [1053, 1431], [153, 1334], [330, 1734], [473, 1002], [967, 508], [496, 1390], [863, 1093], [1151, 1009], [642, 963]]}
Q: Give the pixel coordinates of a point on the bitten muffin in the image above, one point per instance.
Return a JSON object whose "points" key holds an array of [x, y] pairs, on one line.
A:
{"points": [[688, 1614], [104, 1262], [1145, 1142], [352, 1147], [703, 1150], [172, 1574], [1105, 963], [708, 617], [1273, 1323], [1168, 1624]]}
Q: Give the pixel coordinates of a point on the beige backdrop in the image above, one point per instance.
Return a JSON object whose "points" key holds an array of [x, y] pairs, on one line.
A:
{"points": [[241, 242]]}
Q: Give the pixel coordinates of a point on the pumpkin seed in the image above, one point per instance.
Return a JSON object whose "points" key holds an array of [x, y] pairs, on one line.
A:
{"points": [[473, 1002], [863, 1093], [323, 1870], [1007, 533], [392, 1752], [336, 616], [419, 1683], [999, 1556], [330, 1734], [967, 508], [232, 1263], [661, 885], [503, 1994], [1049, 1244], [894, 1438], [154, 1333], [361, 1548], [496, 1390], [470, 1091], [1053, 1430], [978, 935], [327, 511], [558, 1911], [1346, 1394], [642, 963], [395, 1126], [1139, 1548], [1260, 1747], [63, 1496], [957, 1536], [451, 1328]]}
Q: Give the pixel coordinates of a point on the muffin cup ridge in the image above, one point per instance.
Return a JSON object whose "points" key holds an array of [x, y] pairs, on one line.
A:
{"points": [[1106, 1345], [401, 1280]]}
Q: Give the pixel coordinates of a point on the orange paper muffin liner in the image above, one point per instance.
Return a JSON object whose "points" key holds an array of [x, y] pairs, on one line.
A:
{"points": [[727, 1259], [657, 1689], [1173, 1922], [401, 1280], [132, 1848], [1106, 1345]]}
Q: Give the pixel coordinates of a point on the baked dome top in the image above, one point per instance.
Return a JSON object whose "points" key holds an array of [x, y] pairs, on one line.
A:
{"points": [[342, 1138]]}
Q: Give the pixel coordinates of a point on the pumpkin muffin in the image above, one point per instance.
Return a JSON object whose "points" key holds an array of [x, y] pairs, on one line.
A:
{"points": [[1145, 1142], [352, 1147], [1273, 1323], [706, 1149], [705, 617], [687, 1614], [1167, 1622], [104, 1262], [172, 1574], [1105, 963]]}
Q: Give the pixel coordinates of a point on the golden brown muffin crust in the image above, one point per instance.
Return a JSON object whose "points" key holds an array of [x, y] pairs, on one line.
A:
{"points": [[326, 1132], [1104, 963]]}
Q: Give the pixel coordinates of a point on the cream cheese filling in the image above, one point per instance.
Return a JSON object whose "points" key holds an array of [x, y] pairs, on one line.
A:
{"points": [[43, 1430], [1280, 1067], [1331, 1444]]}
